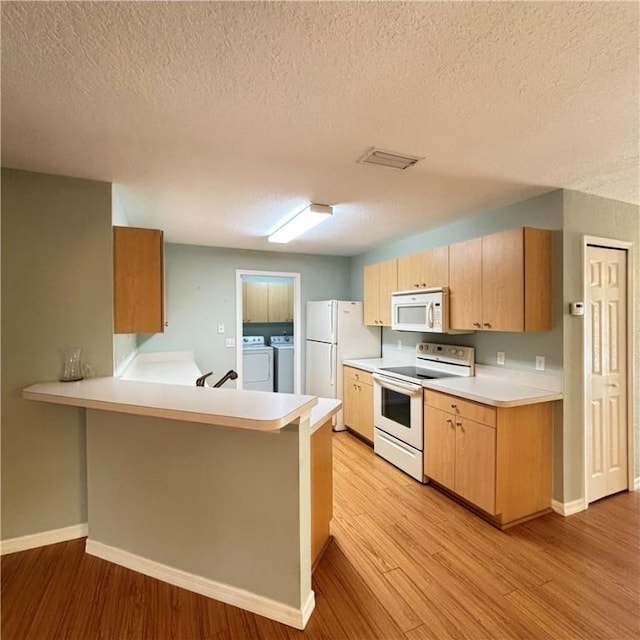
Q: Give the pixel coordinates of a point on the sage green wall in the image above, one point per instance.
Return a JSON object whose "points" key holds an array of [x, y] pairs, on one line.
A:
{"points": [[201, 293], [544, 212], [594, 216], [56, 292], [216, 502]]}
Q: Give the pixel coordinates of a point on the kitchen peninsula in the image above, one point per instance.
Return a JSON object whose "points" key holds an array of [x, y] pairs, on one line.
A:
{"points": [[208, 489]]}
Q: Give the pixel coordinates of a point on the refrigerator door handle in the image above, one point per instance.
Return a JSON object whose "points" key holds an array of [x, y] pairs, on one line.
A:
{"points": [[332, 358], [332, 312]]}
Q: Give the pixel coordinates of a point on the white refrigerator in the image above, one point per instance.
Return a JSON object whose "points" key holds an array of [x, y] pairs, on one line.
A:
{"points": [[336, 332]]}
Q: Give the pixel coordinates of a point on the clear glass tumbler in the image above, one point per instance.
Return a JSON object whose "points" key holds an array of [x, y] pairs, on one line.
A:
{"points": [[71, 369]]}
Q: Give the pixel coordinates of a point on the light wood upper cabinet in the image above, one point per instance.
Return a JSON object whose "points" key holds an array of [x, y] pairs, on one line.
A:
{"points": [[280, 302], [424, 270], [498, 459], [358, 401], [501, 282], [267, 302], [465, 284], [138, 283], [255, 302], [380, 281]]}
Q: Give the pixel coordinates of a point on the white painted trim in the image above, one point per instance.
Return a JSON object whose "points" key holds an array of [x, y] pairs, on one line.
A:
{"points": [[636, 484], [631, 350], [12, 545], [246, 600], [297, 321], [568, 508]]}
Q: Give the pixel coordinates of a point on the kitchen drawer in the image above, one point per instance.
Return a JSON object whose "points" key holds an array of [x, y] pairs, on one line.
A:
{"points": [[357, 375], [464, 408]]}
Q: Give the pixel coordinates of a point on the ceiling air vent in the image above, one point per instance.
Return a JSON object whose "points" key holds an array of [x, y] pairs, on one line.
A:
{"points": [[388, 159]]}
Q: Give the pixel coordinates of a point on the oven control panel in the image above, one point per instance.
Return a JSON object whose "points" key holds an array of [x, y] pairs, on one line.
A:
{"points": [[454, 354]]}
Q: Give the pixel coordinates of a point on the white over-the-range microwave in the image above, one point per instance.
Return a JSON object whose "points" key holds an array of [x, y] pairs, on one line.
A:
{"points": [[421, 310]]}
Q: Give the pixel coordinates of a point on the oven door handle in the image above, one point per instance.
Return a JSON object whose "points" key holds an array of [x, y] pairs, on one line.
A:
{"points": [[396, 384]]}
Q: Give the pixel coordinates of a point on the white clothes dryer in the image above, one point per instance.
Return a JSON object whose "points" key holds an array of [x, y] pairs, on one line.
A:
{"points": [[283, 351], [257, 364]]}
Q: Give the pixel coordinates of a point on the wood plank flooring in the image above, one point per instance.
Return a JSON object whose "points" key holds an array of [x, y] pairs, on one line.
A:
{"points": [[406, 563]]}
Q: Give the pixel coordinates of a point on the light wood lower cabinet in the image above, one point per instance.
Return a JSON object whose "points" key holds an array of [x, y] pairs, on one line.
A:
{"points": [[496, 459], [321, 489], [358, 402]]}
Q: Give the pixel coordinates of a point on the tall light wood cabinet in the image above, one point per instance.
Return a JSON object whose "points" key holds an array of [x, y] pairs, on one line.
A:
{"points": [[380, 281], [497, 459], [138, 280], [501, 282], [358, 402], [424, 270]]}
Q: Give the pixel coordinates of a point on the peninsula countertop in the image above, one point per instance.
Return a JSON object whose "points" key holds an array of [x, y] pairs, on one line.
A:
{"points": [[256, 410]]}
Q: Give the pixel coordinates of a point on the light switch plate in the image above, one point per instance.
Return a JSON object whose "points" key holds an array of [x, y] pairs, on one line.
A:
{"points": [[539, 363], [230, 343], [500, 357]]}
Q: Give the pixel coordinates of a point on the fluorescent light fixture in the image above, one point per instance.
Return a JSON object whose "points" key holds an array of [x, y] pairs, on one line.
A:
{"points": [[307, 219]]}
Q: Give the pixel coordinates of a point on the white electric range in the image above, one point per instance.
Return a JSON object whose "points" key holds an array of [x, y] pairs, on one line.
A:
{"points": [[397, 402]]}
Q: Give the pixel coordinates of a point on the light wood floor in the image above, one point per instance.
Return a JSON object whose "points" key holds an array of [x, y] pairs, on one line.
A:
{"points": [[406, 563]]}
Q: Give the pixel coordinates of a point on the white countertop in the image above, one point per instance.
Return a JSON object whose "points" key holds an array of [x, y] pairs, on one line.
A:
{"points": [[369, 364], [492, 391], [323, 411], [168, 367], [257, 410], [488, 389]]}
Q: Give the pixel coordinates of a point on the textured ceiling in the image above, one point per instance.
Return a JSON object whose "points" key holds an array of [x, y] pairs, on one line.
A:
{"points": [[216, 120]]}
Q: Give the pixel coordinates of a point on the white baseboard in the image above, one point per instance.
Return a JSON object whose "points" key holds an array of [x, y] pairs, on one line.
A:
{"points": [[247, 600], [13, 545], [568, 508]]}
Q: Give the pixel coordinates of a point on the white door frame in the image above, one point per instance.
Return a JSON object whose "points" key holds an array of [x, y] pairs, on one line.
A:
{"points": [[609, 243], [297, 324]]}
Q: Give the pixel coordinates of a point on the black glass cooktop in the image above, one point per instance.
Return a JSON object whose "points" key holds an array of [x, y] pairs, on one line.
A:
{"points": [[417, 373]]}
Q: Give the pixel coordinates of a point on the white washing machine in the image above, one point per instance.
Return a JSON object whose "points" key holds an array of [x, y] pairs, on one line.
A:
{"points": [[283, 351], [257, 364]]}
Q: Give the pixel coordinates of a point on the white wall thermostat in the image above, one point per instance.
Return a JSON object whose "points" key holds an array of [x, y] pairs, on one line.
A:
{"points": [[576, 308]]}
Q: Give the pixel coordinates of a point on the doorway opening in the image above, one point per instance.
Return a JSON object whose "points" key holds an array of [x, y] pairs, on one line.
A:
{"points": [[268, 306], [608, 382]]}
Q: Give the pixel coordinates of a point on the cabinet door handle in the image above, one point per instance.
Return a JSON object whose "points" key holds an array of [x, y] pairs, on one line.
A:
{"points": [[454, 406], [487, 324], [459, 424], [450, 421], [477, 324]]}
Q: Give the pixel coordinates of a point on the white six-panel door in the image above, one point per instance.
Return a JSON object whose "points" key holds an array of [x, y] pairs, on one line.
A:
{"points": [[606, 389]]}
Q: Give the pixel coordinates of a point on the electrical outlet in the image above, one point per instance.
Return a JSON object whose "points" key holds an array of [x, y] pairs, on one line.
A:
{"points": [[539, 363], [230, 343], [221, 328], [500, 357], [399, 344]]}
